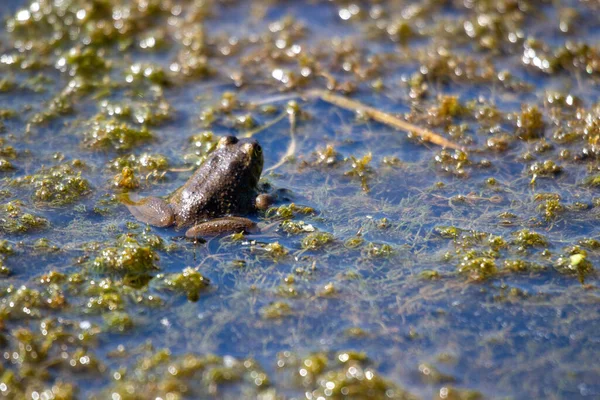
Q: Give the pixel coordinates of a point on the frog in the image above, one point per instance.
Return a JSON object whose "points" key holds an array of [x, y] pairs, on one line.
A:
{"points": [[215, 199]]}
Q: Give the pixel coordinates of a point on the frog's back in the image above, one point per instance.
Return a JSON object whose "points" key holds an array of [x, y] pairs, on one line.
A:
{"points": [[225, 184]]}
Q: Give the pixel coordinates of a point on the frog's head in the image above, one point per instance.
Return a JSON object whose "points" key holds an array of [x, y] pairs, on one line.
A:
{"points": [[246, 154]]}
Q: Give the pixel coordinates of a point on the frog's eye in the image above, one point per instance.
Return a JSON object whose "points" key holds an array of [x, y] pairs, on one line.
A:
{"points": [[227, 140]]}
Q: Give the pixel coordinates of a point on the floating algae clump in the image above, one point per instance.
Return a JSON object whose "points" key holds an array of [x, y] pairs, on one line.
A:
{"points": [[84, 62], [276, 310], [160, 374], [113, 134], [592, 181], [128, 256], [575, 263], [361, 170], [189, 281], [316, 240], [5, 247], [6, 165], [545, 168], [450, 393], [521, 266], [4, 270], [14, 220], [118, 321], [201, 145], [147, 164], [530, 124], [104, 296], [288, 211], [526, 238], [347, 375], [57, 186], [25, 303], [126, 179], [276, 250], [478, 268], [140, 72], [379, 250], [551, 209]]}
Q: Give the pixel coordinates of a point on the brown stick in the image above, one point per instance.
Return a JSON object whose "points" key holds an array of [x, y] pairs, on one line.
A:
{"points": [[383, 117]]}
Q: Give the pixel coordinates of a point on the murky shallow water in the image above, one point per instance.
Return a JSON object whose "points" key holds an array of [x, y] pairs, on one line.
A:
{"points": [[457, 274]]}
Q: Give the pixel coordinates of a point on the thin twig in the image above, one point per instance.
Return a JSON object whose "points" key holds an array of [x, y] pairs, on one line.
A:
{"points": [[276, 99], [383, 117], [186, 169], [265, 126]]}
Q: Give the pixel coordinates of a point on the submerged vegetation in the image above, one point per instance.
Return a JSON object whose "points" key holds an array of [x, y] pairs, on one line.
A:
{"points": [[435, 170]]}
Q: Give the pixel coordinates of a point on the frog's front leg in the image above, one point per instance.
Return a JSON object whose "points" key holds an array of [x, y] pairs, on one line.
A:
{"points": [[151, 210], [221, 226]]}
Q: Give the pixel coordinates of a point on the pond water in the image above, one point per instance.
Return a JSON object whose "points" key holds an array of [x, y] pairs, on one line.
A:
{"points": [[388, 267]]}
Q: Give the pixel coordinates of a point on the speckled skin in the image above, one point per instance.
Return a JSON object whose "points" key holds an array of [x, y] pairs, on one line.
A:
{"points": [[224, 185]]}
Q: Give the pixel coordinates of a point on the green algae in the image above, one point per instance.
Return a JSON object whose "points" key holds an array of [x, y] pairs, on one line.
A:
{"points": [[361, 170], [105, 52], [83, 61], [530, 123], [146, 72], [288, 211], [276, 310], [201, 145], [551, 208], [276, 251], [575, 263], [57, 186], [16, 220], [316, 240], [6, 165], [118, 321], [7, 151], [433, 376], [328, 290], [108, 133], [24, 302], [519, 265], [126, 179], [5, 247], [103, 296], [152, 113], [160, 373], [127, 256], [545, 168], [452, 393], [148, 165], [527, 239], [346, 374], [189, 282], [43, 245], [296, 227], [378, 250], [478, 268], [37, 353]]}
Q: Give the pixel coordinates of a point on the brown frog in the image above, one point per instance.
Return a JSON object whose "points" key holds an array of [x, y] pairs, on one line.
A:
{"points": [[210, 202]]}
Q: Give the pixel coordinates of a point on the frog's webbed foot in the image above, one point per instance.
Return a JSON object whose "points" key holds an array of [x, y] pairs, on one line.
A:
{"points": [[221, 226], [151, 210]]}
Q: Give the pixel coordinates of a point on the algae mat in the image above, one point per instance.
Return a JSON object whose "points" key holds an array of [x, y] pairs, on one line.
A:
{"points": [[390, 267]]}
